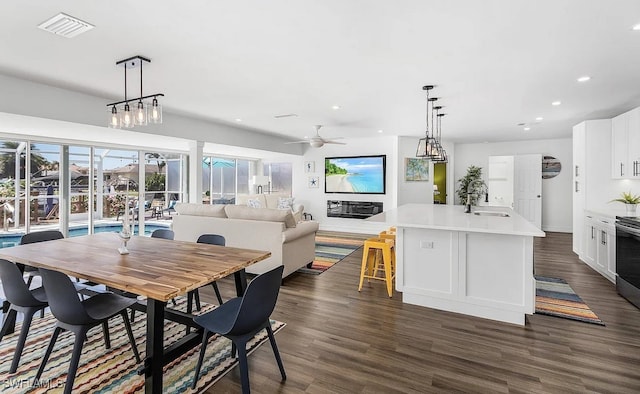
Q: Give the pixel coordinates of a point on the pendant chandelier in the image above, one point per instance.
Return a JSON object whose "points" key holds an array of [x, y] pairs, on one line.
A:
{"points": [[430, 147], [146, 108], [441, 156]]}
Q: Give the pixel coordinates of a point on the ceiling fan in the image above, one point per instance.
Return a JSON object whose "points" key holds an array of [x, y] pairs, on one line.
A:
{"points": [[317, 141]]}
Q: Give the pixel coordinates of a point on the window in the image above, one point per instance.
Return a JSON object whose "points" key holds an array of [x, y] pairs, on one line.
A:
{"points": [[281, 177]]}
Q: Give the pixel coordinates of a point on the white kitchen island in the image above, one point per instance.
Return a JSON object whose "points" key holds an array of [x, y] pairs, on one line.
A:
{"points": [[480, 265]]}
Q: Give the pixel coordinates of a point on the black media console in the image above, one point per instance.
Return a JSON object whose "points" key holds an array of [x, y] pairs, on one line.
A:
{"points": [[352, 209]]}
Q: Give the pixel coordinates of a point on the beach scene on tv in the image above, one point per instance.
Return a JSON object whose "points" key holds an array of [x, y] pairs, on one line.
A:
{"points": [[354, 174]]}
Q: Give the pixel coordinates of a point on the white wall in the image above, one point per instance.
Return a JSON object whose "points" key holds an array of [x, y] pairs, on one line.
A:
{"points": [[412, 192], [315, 199], [556, 192]]}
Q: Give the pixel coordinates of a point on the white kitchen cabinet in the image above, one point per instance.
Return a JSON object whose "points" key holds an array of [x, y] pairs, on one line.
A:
{"points": [[591, 242], [578, 187], [625, 145], [592, 140], [600, 245]]}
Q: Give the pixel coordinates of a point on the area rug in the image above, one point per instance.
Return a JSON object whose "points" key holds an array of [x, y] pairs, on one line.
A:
{"points": [[554, 297], [114, 370], [331, 247]]}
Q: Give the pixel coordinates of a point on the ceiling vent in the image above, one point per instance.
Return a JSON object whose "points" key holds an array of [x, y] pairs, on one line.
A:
{"points": [[65, 25]]}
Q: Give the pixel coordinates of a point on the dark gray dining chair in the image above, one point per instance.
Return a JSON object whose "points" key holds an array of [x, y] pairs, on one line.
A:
{"points": [[211, 239], [38, 236], [22, 300], [241, 318], [163, 233], [80, 316]]}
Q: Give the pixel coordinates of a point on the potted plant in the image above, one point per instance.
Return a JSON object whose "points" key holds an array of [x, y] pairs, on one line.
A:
{"points": [[630, 201], [471, 184]]}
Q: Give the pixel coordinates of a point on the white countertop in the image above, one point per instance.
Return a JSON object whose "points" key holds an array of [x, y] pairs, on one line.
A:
{"points": [[453, 218]]}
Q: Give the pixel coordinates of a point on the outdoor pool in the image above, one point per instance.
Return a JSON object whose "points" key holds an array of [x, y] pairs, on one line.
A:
{"points": [[7, 240]]}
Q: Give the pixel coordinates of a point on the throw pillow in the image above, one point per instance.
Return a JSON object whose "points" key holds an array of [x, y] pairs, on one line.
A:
{"points": [[285, 203], [254, 203]]}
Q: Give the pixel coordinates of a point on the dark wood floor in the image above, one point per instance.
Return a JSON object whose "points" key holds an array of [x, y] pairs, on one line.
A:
{"points": [[340, 341]]}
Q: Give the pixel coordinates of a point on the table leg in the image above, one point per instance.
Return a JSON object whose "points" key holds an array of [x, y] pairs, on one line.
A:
{"points": [[241, 282], [155, 346]]}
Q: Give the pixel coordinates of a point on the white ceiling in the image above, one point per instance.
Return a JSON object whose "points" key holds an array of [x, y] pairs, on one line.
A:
{"points": [[496, 63]]}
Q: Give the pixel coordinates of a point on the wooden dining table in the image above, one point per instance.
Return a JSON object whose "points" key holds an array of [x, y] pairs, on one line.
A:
{"points": [[155, 268]]}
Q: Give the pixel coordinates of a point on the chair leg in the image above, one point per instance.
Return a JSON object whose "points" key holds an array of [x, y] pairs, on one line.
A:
{"points": [[244, 367], [132, 340], [364, 263], [75, 359], [28, 316], [9, 321], [52, 342], [105, 331], [29, 281], [276, 353], [215, 288], [197, 297], [133, 315], [203, 348]]}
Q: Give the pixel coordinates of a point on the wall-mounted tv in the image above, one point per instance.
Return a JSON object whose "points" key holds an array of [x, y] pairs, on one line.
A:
{"points": [[355, 174]]}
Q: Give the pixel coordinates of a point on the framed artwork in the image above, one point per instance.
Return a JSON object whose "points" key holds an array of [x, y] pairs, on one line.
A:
{"points": [[416, 170], [551, 167], [314, 182], [309, 166]]}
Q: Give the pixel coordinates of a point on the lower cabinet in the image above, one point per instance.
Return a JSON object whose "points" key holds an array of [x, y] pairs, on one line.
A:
{"points": [[600, 245]]}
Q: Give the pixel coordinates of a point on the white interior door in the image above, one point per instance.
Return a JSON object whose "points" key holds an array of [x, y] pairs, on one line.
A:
{"points": [[528, 187], [500, 182]]}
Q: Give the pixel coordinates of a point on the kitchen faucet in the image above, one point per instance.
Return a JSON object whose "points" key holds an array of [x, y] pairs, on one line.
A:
{"points": [[467, 207]]}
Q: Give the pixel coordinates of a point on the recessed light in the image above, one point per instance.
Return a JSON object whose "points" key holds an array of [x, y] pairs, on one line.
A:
{"points": [[584, 78], [238, 120], [636, 27], [335, 107], [527, 128], [539, 118], [556, 103], [379, 131]]}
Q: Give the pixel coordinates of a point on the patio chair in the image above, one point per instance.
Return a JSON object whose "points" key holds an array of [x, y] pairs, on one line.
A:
{"points": [[170, 208], [79, 317], [240, 319]]}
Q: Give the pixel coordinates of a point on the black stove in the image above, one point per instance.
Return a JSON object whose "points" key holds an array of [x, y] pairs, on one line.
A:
{"points": [[628, 258]]}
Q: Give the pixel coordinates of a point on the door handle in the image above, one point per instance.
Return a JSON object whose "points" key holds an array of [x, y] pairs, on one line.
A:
{"points": [[621, 169], [577, 171], [577, 190], [593, 235], [538, 196]]}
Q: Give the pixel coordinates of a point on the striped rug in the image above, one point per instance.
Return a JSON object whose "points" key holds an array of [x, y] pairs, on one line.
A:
{"points": [[554, 297], [114, 370], [331, 247]]}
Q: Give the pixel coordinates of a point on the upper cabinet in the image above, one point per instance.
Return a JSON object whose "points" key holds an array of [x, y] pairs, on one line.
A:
{"points": [[625, 145]]}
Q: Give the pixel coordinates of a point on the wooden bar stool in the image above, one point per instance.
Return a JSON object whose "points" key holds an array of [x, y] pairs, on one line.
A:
{"points": [[372, 264]]}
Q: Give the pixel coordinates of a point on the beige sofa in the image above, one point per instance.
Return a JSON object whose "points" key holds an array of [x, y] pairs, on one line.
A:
{"points": [[270, 201], [291, 242]]}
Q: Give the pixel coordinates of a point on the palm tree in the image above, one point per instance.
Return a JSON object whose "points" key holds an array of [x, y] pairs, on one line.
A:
{"points": [[160, 162], [8, 161]]}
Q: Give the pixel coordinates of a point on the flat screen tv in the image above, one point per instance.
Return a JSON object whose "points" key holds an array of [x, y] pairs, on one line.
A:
{"points": [[355, 174]]}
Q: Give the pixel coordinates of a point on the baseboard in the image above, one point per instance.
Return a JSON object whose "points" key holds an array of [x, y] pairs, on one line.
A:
{"points": [[557, 229]]}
